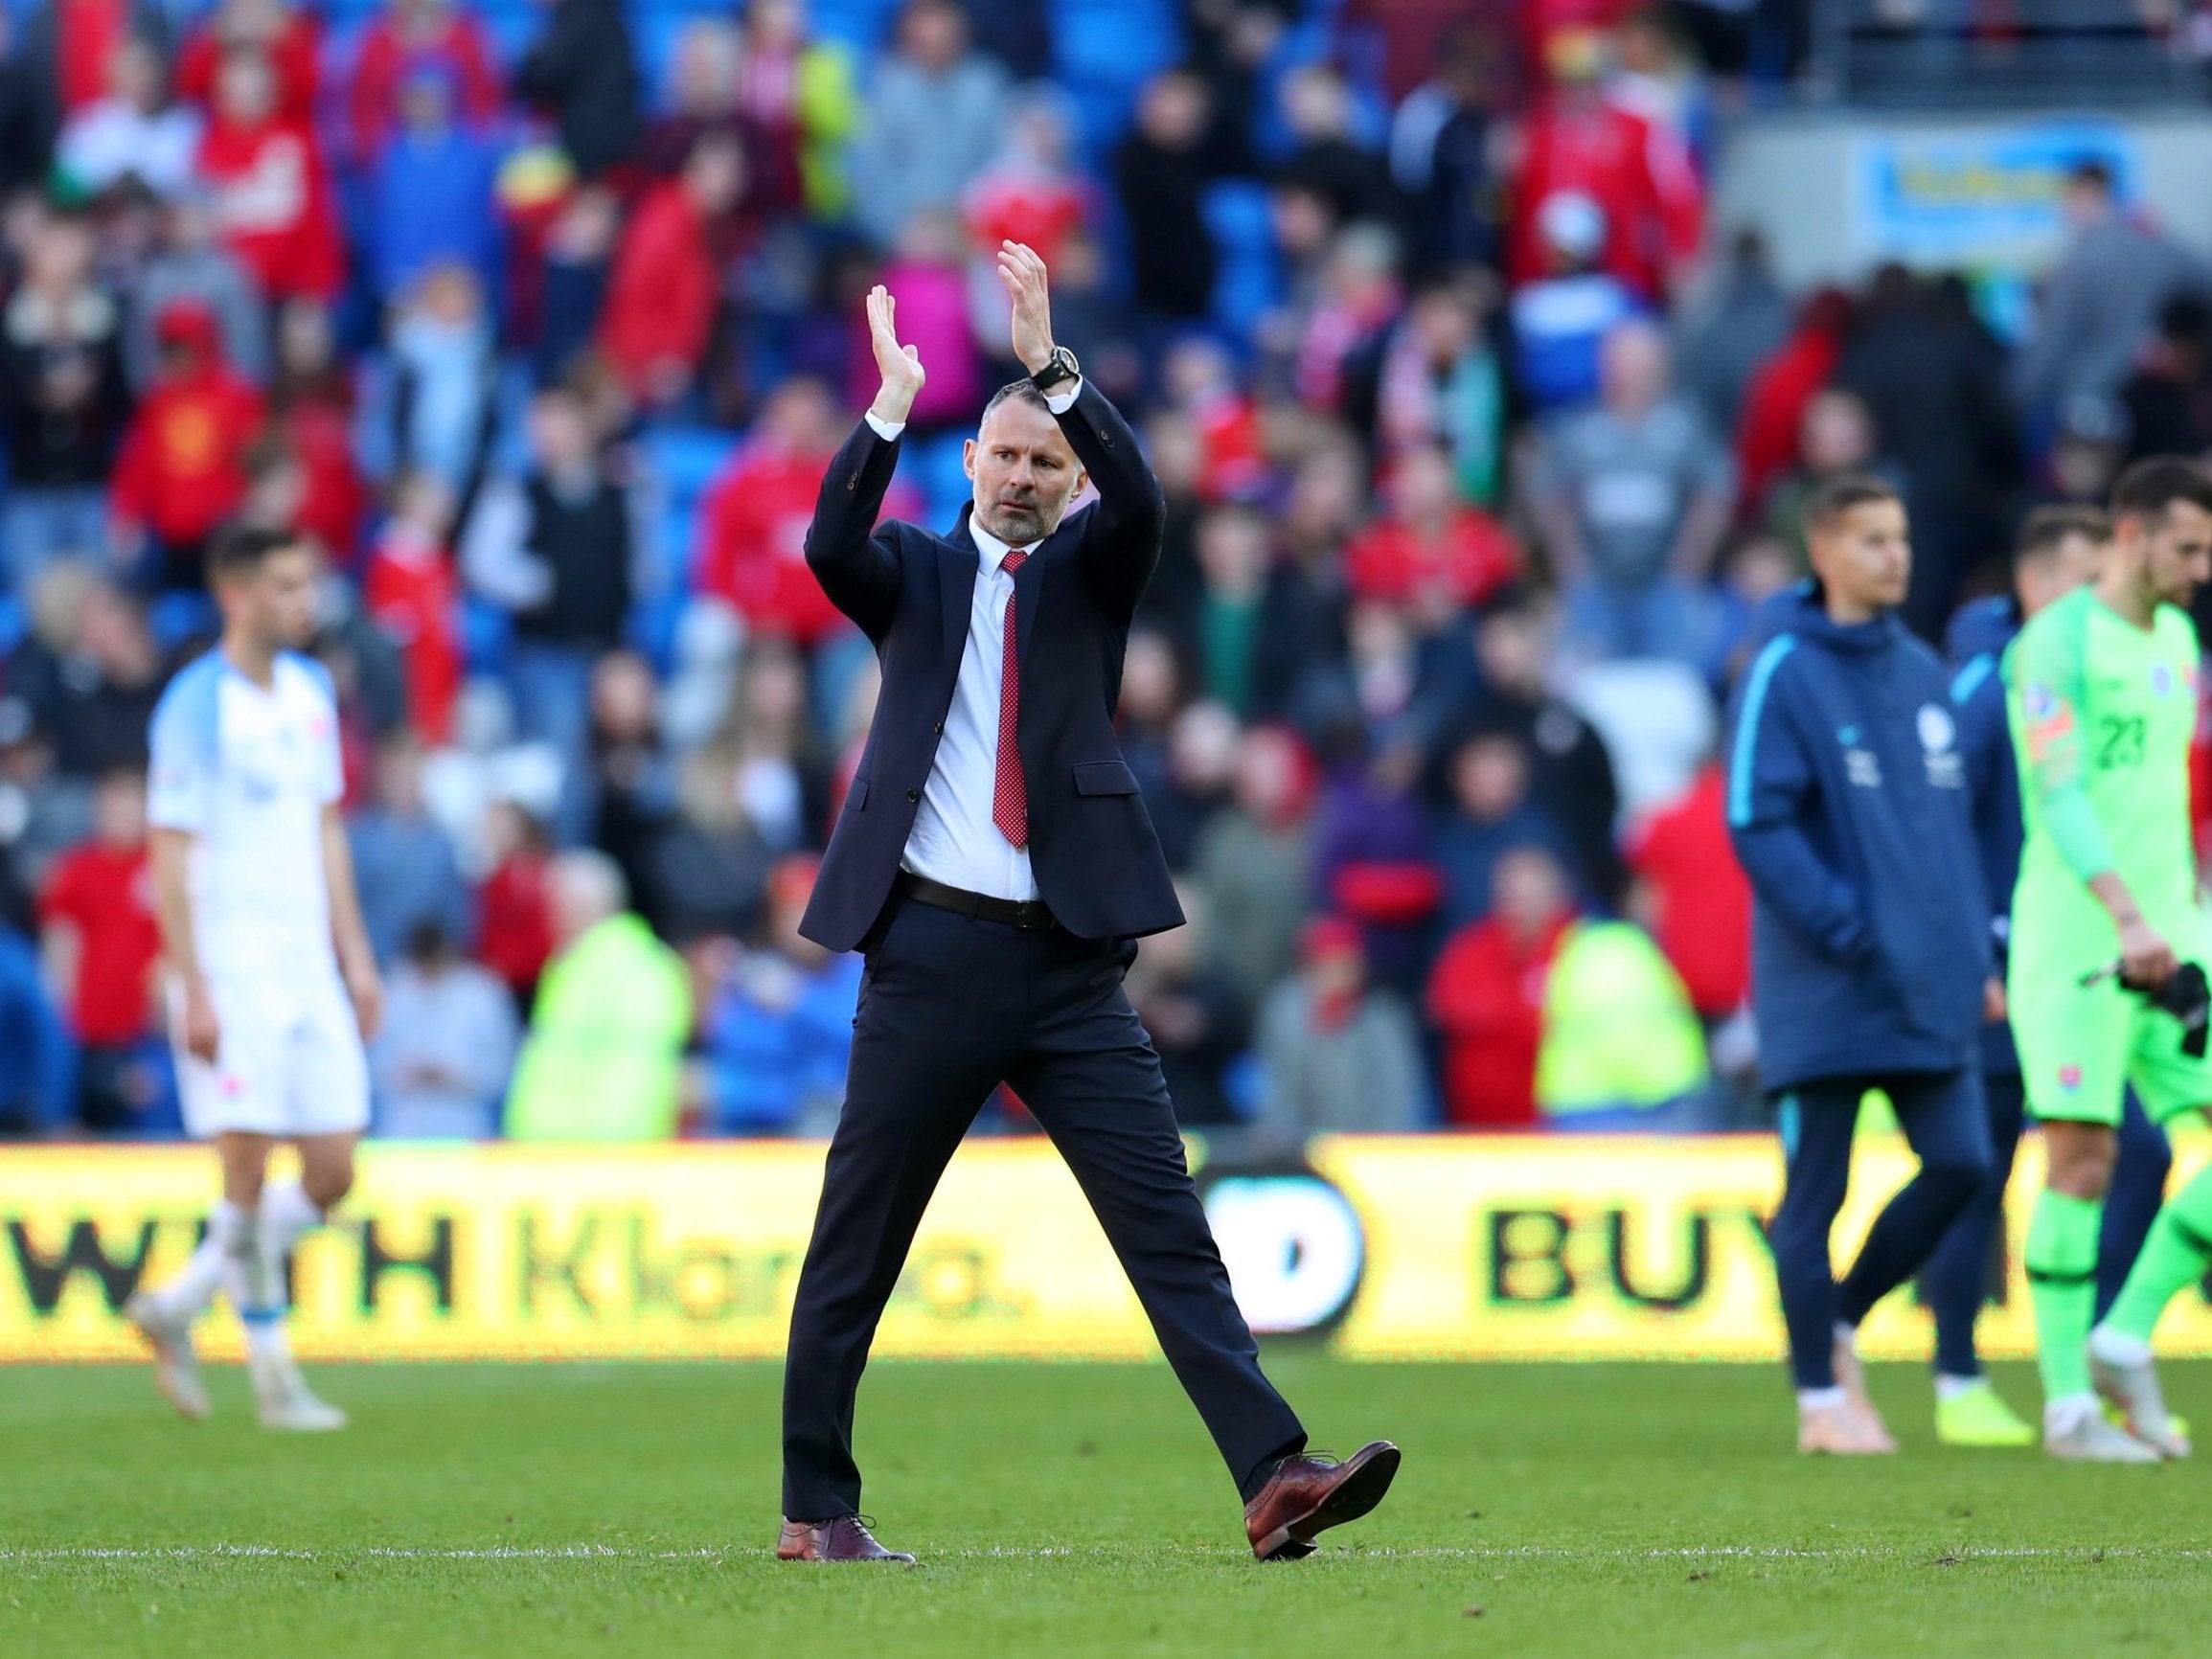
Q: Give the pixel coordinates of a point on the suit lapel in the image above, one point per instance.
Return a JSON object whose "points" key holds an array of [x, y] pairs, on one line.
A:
{"points": [[957, 564], [1028, 585]]}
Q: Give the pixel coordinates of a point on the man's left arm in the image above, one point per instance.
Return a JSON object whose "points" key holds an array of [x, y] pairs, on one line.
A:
{"points": [[1121, 542], [349, 934]]}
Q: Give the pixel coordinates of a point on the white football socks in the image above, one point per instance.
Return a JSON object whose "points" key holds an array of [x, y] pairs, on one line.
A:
{"points": [[287, 1212], [2065, 1415], [188, 1294]]}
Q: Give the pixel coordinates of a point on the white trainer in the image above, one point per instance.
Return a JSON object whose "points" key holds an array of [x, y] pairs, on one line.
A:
{"points": [[2090, 1439], [284, 1401], [176, 1362], [2133, 1386]]}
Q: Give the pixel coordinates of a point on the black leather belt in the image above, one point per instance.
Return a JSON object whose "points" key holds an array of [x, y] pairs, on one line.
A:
{"points": [[1030, 914]]}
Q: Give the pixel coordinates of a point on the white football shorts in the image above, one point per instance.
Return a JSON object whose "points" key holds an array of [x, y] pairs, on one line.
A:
{"points": [[290, 1062]]}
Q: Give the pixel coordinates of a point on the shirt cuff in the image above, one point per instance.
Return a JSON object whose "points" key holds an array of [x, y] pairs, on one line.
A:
{"points": [[1060, 402], [887, 430]]}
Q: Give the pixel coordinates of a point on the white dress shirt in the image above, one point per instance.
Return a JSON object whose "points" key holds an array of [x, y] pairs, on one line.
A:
{"points": [[954, 839]]}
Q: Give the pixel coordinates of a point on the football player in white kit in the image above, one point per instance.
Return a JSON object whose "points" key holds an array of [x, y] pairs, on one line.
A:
{"points": [[272, 985]]}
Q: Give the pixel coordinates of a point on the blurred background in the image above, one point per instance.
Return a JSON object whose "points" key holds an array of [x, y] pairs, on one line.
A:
{"points": [[1485, 349]]}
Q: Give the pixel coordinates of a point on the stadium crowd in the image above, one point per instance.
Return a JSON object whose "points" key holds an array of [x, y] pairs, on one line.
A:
{"points": [[1482, 443]]}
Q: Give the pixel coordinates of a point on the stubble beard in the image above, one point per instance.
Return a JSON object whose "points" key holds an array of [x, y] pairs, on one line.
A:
{"points": [[1020, 527]]}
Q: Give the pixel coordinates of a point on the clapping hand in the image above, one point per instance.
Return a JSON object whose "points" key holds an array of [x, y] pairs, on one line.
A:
{"points": [[900, 366], [1023, 273]]}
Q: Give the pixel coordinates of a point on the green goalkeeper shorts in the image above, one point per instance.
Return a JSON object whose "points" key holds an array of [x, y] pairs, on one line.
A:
{"points": [[2080, 1047]]}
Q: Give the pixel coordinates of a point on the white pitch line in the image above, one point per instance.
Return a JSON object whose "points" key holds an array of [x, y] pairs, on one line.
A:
{"points": [[1926, 1554]]}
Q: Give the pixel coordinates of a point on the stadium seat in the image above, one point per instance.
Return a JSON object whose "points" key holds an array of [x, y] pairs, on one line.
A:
{"points": [[861, 24], [939, 473], [683, 460], [487, 632], [1247, 280]]}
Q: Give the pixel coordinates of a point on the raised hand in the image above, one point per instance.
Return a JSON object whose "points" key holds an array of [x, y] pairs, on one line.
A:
{"points": [[1023, 273], [899, 366]]}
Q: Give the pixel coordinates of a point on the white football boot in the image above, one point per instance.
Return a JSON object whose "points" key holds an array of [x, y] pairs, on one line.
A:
{"points": [[176, 1362], [284, 1401]]}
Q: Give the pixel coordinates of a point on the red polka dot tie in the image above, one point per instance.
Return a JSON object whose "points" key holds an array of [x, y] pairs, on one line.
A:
{"points": [[1009, 793]]}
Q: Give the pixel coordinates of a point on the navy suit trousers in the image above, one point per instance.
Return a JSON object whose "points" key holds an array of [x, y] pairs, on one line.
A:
{"points": [[950, 1006]]}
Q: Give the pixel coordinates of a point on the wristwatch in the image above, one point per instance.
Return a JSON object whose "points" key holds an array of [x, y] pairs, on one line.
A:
{"points": [[1058, 367]]}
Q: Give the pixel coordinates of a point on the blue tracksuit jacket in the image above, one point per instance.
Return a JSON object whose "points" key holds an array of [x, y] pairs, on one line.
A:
{"points": [[1848, 806], [1975, 644]]}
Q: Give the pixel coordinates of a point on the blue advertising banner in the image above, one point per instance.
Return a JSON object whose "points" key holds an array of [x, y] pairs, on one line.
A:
{"points": [[1983, 197]]}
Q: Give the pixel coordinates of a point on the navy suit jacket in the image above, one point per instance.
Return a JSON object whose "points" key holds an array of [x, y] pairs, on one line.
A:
{"points": [[1091, 843]]}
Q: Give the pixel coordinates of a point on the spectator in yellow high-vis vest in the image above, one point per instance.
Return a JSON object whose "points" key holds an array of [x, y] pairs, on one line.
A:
{"points": [[1622, 1046], [604, 1057]]}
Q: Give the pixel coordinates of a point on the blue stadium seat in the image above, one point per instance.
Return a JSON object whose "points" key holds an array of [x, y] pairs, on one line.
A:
{"points": [[685, 458], [486, 633], [653, 620], [1248, 279], [175, 618], [680, 462], [861, 24], [935, 469]]}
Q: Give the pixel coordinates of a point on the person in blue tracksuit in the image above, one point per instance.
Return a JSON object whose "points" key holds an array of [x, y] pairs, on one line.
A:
{"points": [[2057, 550], [1871, 964], [38, 1055]]}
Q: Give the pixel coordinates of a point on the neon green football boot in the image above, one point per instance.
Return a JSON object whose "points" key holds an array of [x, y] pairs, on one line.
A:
{"points": [[1978, 1416]]}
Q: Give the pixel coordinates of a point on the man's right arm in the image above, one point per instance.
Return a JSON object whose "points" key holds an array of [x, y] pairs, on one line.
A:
{"points": [[1772, 793], [180, 785], [170, 852], [858, 568]]}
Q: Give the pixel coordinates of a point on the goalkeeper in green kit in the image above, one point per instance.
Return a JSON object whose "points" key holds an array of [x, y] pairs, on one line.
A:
{"points": [[2105, 983]]}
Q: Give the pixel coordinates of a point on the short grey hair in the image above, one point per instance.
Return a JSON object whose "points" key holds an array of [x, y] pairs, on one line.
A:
{"points": [[1016, 391], [589, 884]]}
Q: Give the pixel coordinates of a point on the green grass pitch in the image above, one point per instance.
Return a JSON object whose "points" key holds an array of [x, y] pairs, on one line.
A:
{"points": [[1640, 1510]]}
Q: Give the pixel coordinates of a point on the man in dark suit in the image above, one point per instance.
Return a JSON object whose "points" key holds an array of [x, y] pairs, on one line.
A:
{"points": [[994, 864]]}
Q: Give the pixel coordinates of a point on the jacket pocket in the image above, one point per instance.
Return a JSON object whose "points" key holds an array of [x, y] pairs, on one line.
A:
{"points": [[856, 797], [1105, 777]]}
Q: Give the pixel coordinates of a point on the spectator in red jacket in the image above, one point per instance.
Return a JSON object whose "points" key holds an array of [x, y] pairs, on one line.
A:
{"points": [[1033, 193], [515, 908], [182, 469], [1773, 416], [1201, 381], [1696, 901], [753, 522], [100, 943], [1487, 993], [292, 40], [1640, 176], [272, 191], [667, 282], [412, 594], [311, 413], [1432, 551], [409, 37]]}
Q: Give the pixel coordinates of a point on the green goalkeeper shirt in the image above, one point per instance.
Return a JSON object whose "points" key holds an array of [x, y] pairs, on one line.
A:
{"points": [[2102, 716]]}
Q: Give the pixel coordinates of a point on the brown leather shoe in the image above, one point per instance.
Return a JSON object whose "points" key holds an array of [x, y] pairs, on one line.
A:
{"points": [[846, 1539], [1309, 1494]]}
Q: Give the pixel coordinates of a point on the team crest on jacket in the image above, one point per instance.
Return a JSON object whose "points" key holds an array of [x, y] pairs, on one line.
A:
{"points": [[1938, 740]]}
